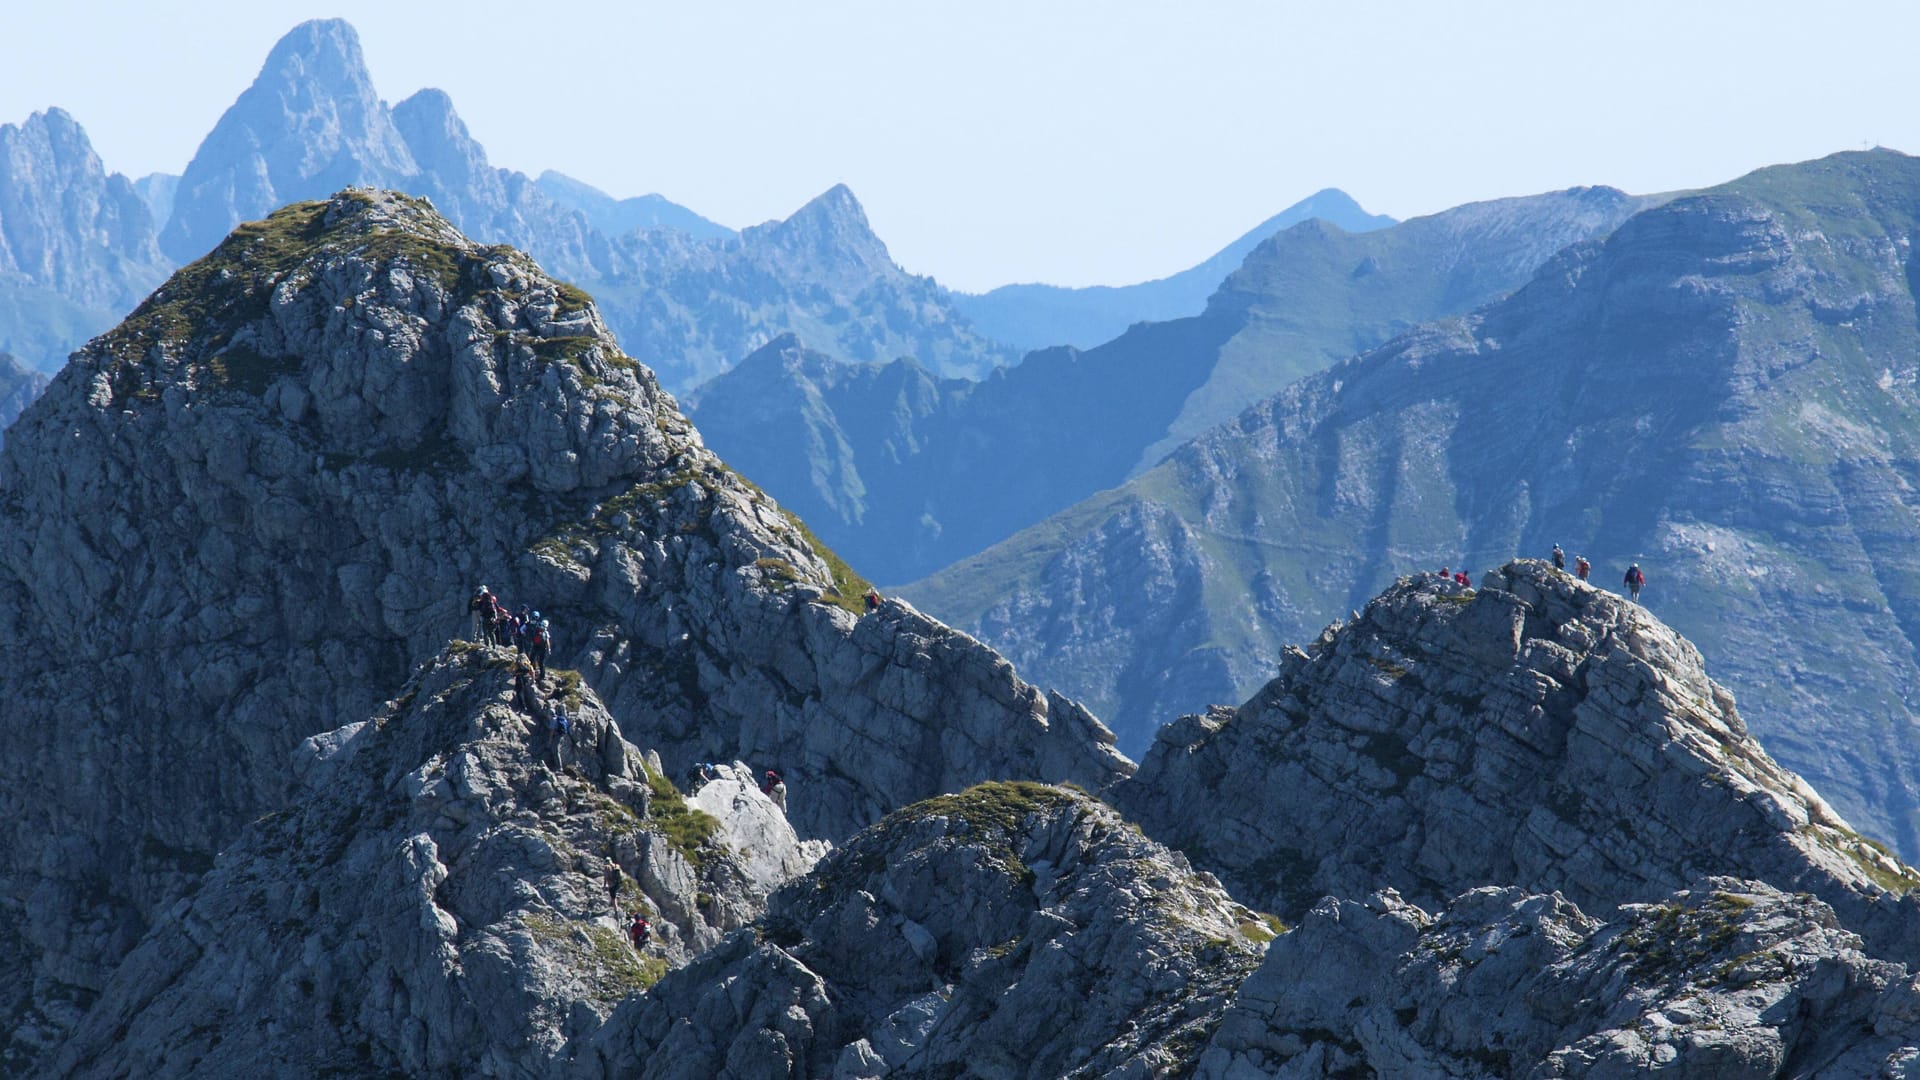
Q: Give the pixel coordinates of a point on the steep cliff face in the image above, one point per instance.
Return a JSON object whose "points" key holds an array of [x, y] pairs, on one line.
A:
{"points": [[1726, 979], [1008, 930], [447, 893], [244, 515], [1537, 732], [1722, 390]]}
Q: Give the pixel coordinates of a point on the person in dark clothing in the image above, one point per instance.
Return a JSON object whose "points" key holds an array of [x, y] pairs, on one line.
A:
{"points": [[873, 600], [1634, 581], [539, 639], [639, 931], [1559, 558], [613, 884], [485, 609]]}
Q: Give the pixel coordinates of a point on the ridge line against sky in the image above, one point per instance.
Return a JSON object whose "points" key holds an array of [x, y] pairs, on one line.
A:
{"points": [[1074, 142]]}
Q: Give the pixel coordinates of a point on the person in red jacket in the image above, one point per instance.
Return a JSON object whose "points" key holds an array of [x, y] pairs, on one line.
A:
{"points": [[1635, 580], [1581, 567]]}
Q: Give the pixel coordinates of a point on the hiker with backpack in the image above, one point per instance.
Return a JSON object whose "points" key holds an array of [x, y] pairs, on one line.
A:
{"points": [[559, 726], [539, 640], [698, 776], [873, 599], [1460, 578], [775, 788], [1559, 558], [1581, 567], [485, 608], [639, 931], [1635, 581]]}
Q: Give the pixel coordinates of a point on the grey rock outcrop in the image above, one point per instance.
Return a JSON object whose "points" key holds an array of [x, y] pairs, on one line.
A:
{"points": [[1009, 930], [1537, 732], [251, 509], [1729, 979], [439, 898]]}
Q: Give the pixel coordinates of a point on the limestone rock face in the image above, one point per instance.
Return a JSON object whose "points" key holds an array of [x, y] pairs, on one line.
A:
{"points": [[243, 517], [1009, 930], [438, 898], [1726, 979], [1536, 732]]}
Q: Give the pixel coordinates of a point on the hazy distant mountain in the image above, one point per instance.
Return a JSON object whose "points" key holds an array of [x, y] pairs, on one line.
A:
{"points": [[691, 308], [1724, 388], [77, 245], [616, 217], [310, 124], [19, 385], [157, 190], [1036, 316], [905, 471], [689, 296]]}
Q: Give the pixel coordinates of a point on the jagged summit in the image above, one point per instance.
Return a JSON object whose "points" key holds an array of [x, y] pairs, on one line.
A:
{"points": [[1536, 732], [435, 899], [245, 516], [830, 233], [521, 377]]}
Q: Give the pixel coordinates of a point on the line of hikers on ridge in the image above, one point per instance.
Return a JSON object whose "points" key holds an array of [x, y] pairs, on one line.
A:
{"points": [[525, 630], [1634, 581]]}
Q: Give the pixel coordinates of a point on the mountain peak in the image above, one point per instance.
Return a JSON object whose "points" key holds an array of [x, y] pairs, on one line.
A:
{"points": [[325, 50], [831, 227], [1536, 731], [310, 122]]}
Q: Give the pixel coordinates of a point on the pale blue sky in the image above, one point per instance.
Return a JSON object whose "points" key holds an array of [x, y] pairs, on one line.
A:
{"points": [[1069, 142]]}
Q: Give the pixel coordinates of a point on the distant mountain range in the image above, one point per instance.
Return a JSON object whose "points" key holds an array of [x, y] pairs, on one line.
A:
{"points": [[1724, 389], [1036, 316], [77, 246], [905, 471], [690, 295]]}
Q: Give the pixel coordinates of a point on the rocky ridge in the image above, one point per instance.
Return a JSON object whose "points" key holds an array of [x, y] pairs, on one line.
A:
{"points": [[435, 898], [1008, 930], [1536, 732], [248, 510], [1727, 979]]}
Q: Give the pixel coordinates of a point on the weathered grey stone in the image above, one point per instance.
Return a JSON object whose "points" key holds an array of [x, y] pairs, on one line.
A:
{"points": [[1537, 732], [1727, 979]]}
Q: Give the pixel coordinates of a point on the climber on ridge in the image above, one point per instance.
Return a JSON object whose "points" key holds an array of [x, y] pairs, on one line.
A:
{"points": [[485, 609], [539, 644], [1559, 558], [639, 931], [1581, 567], [1635, 580], [775, 788], [1460, 578], [873, 599], [698, 776]]}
